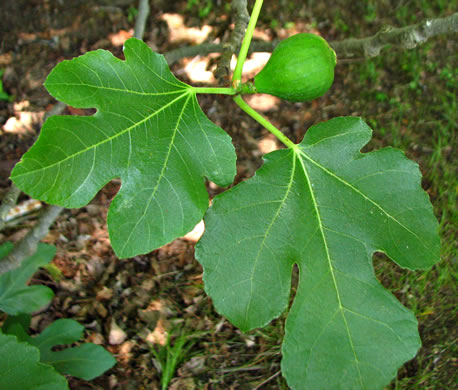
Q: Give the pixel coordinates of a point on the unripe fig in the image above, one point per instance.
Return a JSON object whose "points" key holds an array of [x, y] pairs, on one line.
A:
{"points": [[300, 69]]}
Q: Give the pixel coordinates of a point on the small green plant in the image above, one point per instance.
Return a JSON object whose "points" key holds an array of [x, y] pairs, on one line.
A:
{"points": [[204, 7], [170, 356], [3, 94], [132, 13], [371, 12], [32, 363], [320, 205], [23, 370]]}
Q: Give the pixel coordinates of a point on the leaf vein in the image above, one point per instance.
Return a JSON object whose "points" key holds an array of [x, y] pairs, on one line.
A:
{"points": [[338, 178], [135, 124], [328, 256]]}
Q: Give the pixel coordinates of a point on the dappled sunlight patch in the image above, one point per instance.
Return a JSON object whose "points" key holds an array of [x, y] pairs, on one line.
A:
{"points": [[155, 316], [23, 121], [268, 144], [125, 352], [263, 102], [158, 335], [118, 39], [200, 69], [117, 335], [6, 58], [197, 70], [261, 34], [179, 32], [195, 234], [253, 64]]}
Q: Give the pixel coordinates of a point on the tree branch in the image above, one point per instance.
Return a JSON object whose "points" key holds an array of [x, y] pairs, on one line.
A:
{"points": [[11, 197], [8, 202], [57, 109], [28, 245], [142, 16], [241, 18], [405, 37]]}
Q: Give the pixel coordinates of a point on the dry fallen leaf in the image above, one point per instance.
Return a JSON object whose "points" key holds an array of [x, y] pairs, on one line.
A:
{"points": [[117, 335]]}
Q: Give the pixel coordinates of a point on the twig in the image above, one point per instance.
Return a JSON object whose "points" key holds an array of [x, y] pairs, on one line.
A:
{"points": [[173, 56], [267, 380], [8, 202], [241, 18], [57, 109], [142, 16], [405, 37], [28, 245]]}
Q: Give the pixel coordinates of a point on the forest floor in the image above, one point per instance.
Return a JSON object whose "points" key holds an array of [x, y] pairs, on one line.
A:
{"points": [[140, 308]]}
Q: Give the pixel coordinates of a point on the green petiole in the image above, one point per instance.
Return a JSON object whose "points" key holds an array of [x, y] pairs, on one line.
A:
{"points": [[210, 90], [263, 121], [238, 87], [237, 76]]}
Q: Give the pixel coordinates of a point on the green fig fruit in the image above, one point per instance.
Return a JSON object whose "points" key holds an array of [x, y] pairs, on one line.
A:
{"points": [[300, 69]]}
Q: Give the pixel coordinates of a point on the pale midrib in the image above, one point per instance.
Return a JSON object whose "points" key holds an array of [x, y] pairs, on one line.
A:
{"points": [[161, 174], [282, 202], [117, 89], [331, 268], [107, 139], [361, 194]]}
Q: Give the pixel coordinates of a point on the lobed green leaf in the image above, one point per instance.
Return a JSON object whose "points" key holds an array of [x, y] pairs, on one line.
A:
{"points": [[15, 296], [86, 361], [327, 208], [20, 368], [149, 131]]}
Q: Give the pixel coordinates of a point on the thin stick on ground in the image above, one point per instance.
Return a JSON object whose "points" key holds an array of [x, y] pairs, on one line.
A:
{"points": [[28, 245], [142, 16], [8, 202], [267, 380], [11, 197], [241, 18], [407, 37]]}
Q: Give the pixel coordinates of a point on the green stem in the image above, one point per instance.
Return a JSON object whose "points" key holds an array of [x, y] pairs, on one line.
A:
{"points": [[237, 76], [210, 90], [263, 121]]}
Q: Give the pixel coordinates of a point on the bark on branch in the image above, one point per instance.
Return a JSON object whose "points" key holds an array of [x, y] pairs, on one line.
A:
{"points": [[28, 245], [407, 37], [142, 16], [241, 18], [8, 202]]}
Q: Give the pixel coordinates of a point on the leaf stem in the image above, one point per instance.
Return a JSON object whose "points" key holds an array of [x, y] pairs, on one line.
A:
{"points": [[211, 90], [263, 121], [237, 76]]}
